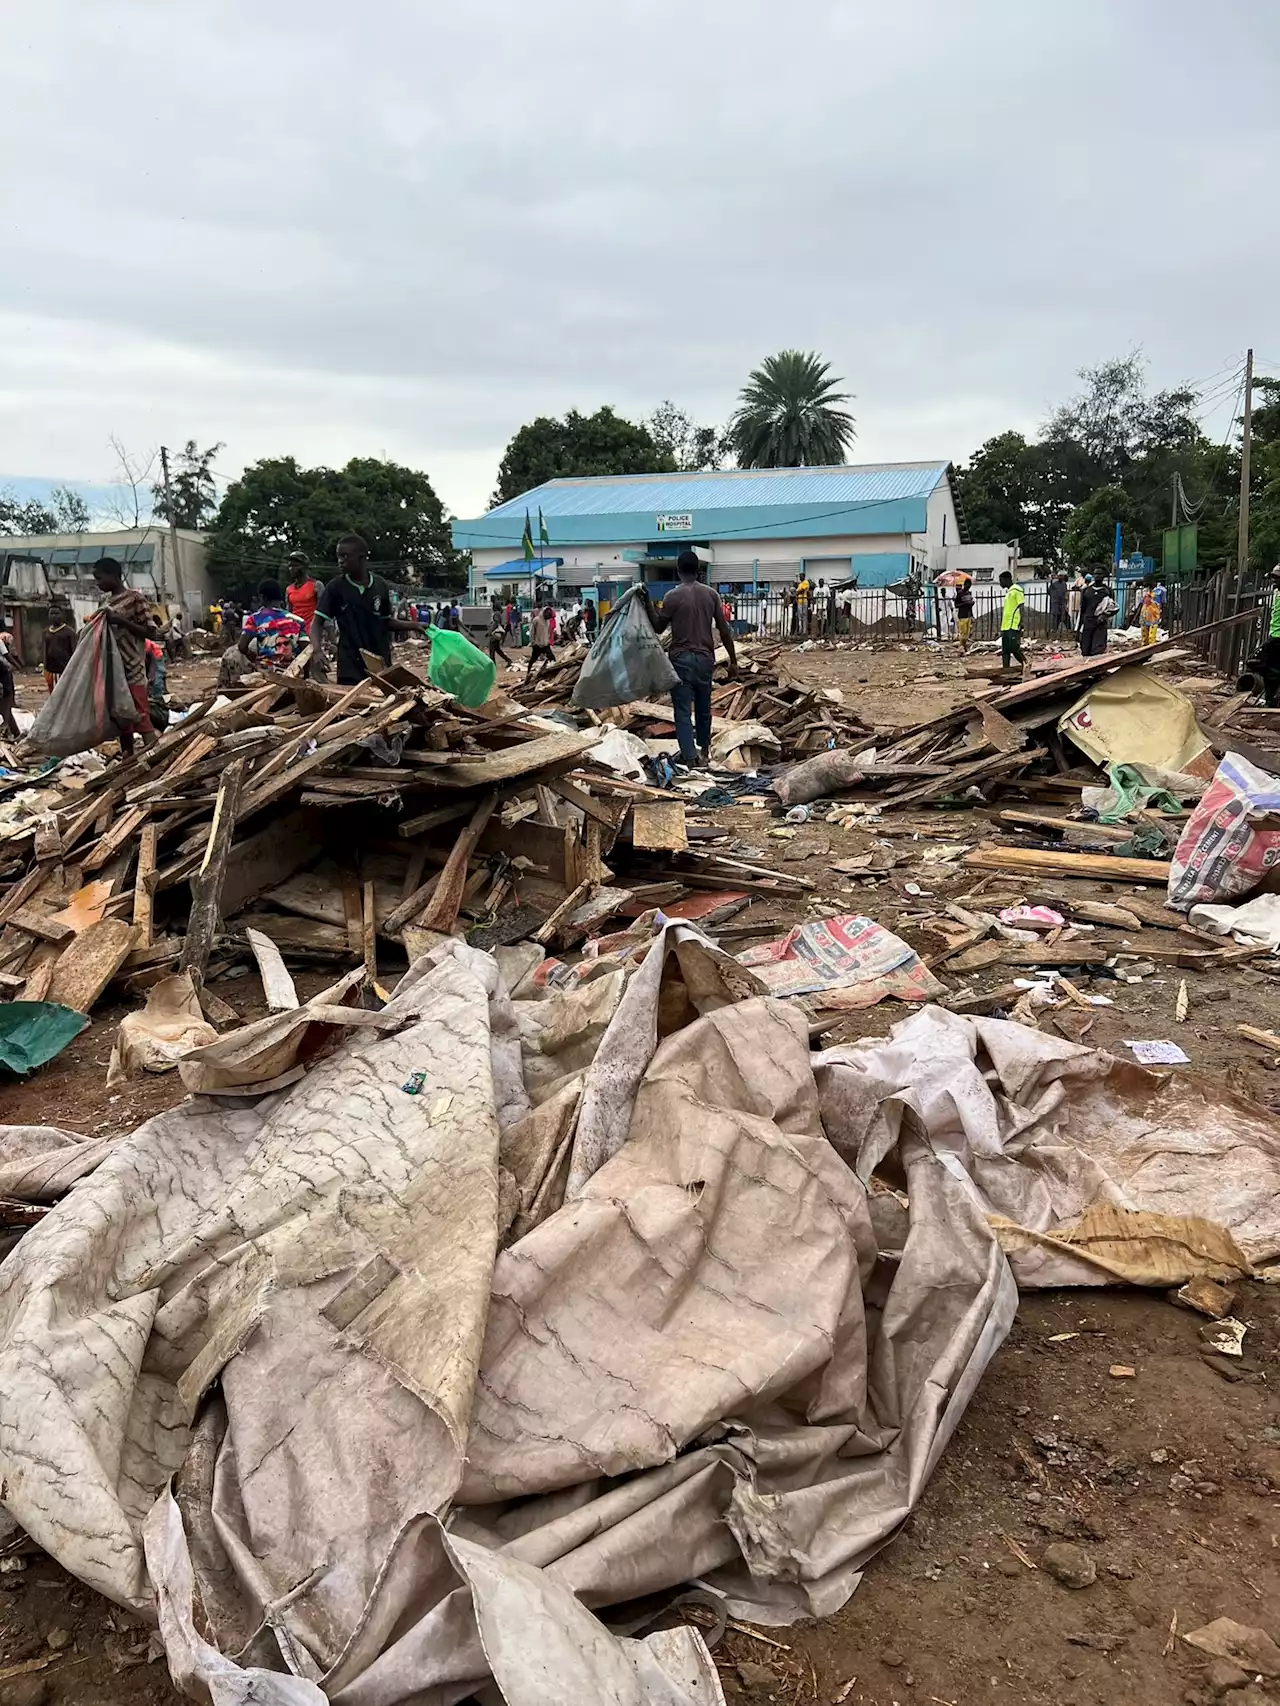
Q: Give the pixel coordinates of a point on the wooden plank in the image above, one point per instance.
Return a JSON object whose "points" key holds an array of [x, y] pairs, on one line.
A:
{"points": [[40, 972], [410, 907], [302, 933], [86, 966], [1265, 1039], [658, 825], [206, 886], [353, 912], [412, 827], [570, 903], [442, 909], [1060, 954], [369, 934], [266, 858], [22, 891], [586, 803], [121, 832], [310, 731], [961, 776], [525, 759], [1100, 831], [1065, 864], [40, 924], [143, 898], [277, 985], [413, 872]]}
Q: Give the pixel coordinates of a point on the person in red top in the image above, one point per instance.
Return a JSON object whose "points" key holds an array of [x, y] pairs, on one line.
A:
{"points": [[303, 590]]}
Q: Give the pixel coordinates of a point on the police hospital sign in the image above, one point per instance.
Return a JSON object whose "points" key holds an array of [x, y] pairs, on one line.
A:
{"points": [[674, 523]]}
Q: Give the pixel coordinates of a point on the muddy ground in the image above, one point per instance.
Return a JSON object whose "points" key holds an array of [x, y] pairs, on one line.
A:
{"points": [[1167, 1481]]}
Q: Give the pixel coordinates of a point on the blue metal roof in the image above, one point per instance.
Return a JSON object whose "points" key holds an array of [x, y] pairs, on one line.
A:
{"points": [[541, 568], [748, 502], [611, 494]]}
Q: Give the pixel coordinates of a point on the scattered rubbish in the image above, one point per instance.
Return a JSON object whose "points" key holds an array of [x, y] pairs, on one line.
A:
{"points": [[1231, 840], [852, 961], [414, 1084], [1225, 1337], [1182, 1003], [1134, 717], [1122, 1371], [1255, 922], [1205, 1296], [1030, 915], [1060, 1338], [798, 814], [1158, 1053], [156, 1038]]}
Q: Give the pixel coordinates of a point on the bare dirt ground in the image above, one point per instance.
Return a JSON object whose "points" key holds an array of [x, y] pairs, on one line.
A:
{"points": [[1168, 1482]]}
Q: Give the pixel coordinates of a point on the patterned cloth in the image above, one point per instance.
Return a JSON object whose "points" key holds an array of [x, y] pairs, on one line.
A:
{"points": [[279, 636], [133, 607]]}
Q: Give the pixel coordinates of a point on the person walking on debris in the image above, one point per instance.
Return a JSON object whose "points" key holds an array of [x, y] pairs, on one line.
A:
{"points": [[497, 634], [1058, 602], [1075, 591], [589, 618], [271, 633], [7, 720], [303, 591], [126, 610], [1096, 606], [59, 643], [358, 604], [964, 613], [694, 615], [1011, 622], [540, 631]]}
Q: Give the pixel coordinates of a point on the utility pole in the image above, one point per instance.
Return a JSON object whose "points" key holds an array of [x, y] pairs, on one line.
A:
{"points": [[173, 530], [1242, 543]]}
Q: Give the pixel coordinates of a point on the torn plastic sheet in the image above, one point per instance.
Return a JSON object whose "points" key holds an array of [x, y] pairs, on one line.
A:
{"points": [[410, 1452]]}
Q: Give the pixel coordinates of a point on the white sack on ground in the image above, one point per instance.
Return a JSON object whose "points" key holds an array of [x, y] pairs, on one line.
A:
{"points": [[720, 1359]]}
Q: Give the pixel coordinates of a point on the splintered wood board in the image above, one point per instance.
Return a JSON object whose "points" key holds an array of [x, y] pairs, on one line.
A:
{"points": [[659, 825], [86, 965]]}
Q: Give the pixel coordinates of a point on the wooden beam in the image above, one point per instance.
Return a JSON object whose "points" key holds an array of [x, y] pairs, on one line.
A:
{"points": [[442, 909], [569, 904], [39, 924], [277, 985], [1069, 864], [206, 902], [370, 934], [143, 898]]}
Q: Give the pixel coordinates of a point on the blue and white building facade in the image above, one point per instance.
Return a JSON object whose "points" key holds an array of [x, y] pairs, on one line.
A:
{"points": [[756, 529]]}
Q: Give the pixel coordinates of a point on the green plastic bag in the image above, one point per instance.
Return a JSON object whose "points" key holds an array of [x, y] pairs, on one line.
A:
{"points": [[460, 668], [32, 1032], [1130, 790]]}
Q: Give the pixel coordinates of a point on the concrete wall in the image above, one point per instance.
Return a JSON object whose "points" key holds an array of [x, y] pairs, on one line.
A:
{"points": [[146, 554]]}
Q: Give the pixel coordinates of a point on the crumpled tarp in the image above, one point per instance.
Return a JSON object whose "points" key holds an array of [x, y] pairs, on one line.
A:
{"points": [[848, 960], [275, 1372], [32, 1032]]}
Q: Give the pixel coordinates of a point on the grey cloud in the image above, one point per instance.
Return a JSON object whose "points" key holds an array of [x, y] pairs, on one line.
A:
{"points": [[461, 216]]}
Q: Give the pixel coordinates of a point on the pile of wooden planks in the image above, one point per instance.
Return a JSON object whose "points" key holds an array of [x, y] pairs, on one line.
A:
{"points": [[333, 825]]}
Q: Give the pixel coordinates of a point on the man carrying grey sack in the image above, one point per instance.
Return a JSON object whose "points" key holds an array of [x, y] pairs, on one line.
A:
{"points": [[695, 616]]}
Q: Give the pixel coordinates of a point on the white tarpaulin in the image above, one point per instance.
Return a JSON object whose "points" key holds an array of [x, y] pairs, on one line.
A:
{"points": [[373, 1396]]}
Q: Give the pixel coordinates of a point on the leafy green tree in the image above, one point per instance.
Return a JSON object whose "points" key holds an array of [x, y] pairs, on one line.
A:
{"points": [[276, 507], [1264, 476], [194, 487], [603, 443], [1089, 537], [787, 415], [64, 512], [692, 448]]}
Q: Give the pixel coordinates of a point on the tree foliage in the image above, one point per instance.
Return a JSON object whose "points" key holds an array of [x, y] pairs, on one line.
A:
{"points": [[276, 507], [603, 443], [65, 511], [691, 448], [1131, 456], [193, 486], [787, 415]]}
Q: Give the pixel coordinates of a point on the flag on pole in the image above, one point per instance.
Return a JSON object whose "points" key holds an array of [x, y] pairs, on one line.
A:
{"points": [[543, 538], [526, 542]]}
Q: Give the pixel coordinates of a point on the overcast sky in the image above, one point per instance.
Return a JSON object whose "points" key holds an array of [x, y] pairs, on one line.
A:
{"points": [[387, 228]]}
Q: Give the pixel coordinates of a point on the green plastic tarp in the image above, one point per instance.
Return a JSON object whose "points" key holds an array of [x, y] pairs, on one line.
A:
{"points": [[32, 1032]]}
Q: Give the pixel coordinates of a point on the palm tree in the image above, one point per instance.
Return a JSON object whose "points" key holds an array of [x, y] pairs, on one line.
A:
{"points": [[786, 416]]}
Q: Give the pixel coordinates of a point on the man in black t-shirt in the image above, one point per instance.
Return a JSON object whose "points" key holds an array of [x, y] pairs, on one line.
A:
{"points": [[358, 603]]}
